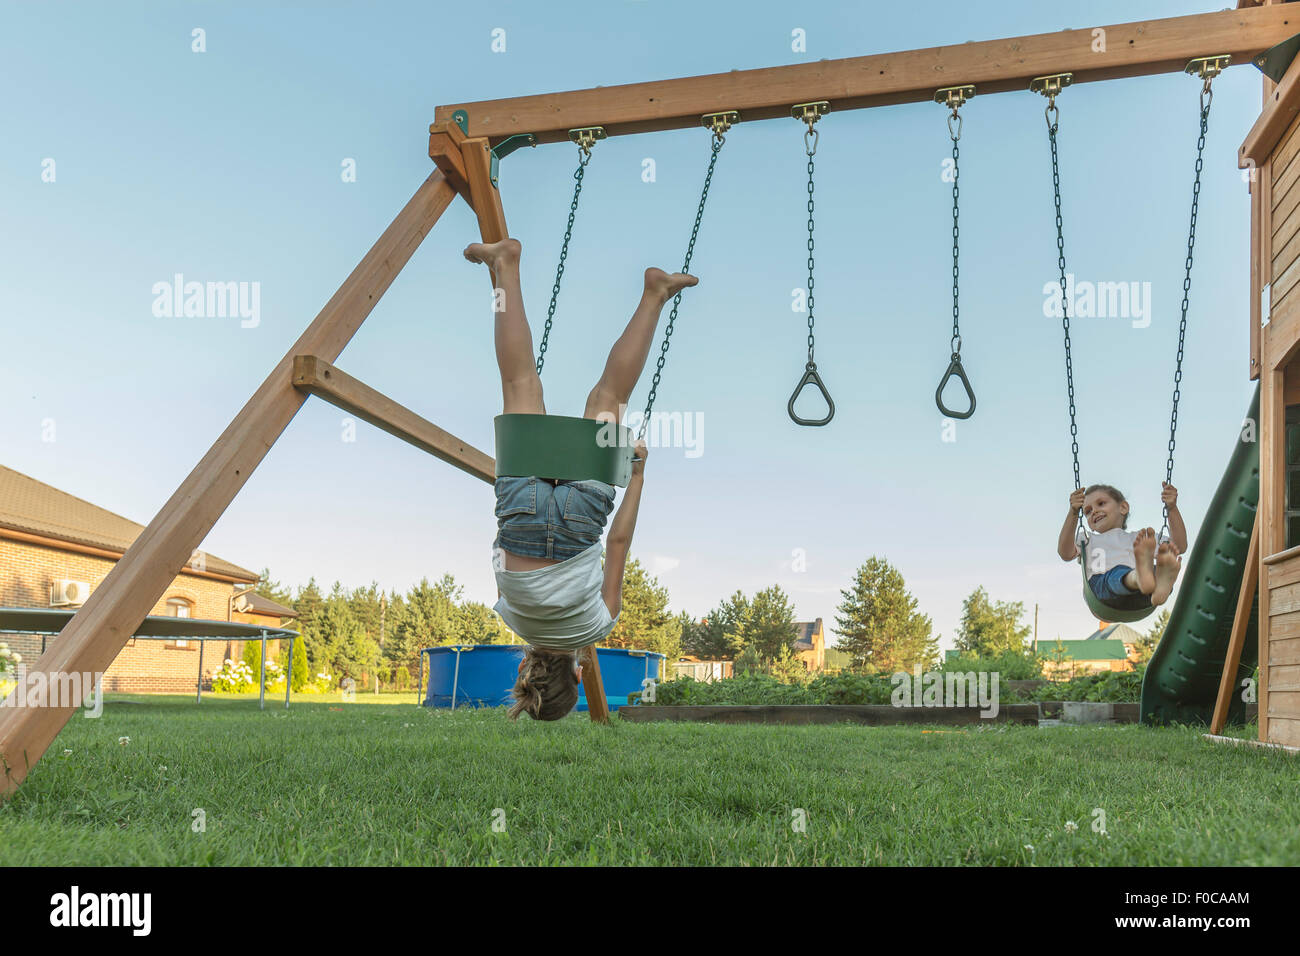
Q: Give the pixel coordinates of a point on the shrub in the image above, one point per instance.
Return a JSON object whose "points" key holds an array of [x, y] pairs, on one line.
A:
{"points": [[1009, 665], [233, 677]]}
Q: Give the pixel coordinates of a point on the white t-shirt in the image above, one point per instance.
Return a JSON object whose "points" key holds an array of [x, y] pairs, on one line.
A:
{"points": [[1107, 549], [557, 606]]}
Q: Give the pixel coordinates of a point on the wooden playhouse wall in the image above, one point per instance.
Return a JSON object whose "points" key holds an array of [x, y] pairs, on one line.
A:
{"points": [[1272, 153]]}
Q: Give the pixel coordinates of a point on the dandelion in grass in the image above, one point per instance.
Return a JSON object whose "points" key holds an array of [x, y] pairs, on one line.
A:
{"points": [[67, 753], [1029, 847], [123, 740], [1071, 826]]}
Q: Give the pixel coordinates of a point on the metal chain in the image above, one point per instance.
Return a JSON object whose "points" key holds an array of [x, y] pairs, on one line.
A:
{"points": [[956, 311], [584, 157], [1207, 97], [718, 140], [1053, 115], [810, 139]]}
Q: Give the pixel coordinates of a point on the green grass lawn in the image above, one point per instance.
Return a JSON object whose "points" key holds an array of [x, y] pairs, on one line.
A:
{"points": [[384, 781]]}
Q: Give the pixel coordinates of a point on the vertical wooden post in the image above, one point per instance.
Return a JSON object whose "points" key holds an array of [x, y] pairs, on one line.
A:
{"points": [[97, 632], [594, 687], [1237, 639], [1272, 490]]}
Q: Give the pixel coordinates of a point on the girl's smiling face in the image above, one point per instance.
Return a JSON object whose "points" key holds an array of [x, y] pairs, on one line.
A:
{"points": [[1103, 512]]}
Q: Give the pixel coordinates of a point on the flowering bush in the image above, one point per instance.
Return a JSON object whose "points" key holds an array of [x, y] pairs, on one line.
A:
{"points": [[274, 676], [9, 661], [233, 677]]}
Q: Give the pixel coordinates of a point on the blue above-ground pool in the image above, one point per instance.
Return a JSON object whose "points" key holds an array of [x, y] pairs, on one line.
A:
{"points": [[482, 675]]}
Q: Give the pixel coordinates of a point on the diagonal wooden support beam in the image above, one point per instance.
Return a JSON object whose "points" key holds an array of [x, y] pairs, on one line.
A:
{"points": [[1100, 52], [314, 375], [1237, 638], [115, 609]]}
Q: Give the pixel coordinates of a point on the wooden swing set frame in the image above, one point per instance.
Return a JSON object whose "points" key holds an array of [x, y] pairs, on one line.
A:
{"points": [[461, 142]]}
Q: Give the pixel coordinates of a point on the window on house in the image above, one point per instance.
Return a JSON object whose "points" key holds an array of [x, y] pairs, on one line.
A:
{"points": [[179, 607], [1292, 495]]}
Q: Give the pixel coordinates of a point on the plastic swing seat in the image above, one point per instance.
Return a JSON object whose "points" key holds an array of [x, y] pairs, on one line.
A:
{"points": [[1104, 612], [563, 447]]}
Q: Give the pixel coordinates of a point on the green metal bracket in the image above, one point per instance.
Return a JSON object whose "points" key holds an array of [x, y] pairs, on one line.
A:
{"points": [[505, 148], [1273, 62], [461, 119]]}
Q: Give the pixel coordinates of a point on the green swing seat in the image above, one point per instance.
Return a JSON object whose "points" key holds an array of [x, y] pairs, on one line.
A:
{"points": [[1104, 612], [562, 447]]}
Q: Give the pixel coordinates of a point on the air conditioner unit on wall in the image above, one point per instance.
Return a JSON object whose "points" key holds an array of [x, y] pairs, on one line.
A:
{"points": [[65, 591]]}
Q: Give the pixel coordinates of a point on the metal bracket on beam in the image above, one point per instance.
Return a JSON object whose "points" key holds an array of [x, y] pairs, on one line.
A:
{"points": [[719, 123], [461, 119], [1050, 86], [587, 136], [505, 148], [954, 97], [1274, 61], [1208, 67]]}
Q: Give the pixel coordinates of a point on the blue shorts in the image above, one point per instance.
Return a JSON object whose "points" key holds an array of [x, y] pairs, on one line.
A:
{"points": [[559, 520], [1111, 590]]}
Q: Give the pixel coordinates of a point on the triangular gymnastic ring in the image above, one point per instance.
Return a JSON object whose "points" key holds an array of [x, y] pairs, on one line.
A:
{"points": [[955, 368], [810, 375]]}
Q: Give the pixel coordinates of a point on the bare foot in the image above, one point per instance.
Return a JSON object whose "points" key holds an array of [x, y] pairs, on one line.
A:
{"points": [[1144, 551], [494, 254], [664, 286], [1168, 564]]}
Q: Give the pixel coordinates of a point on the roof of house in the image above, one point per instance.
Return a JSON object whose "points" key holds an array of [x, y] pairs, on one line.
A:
{"points": [[804, 631], [257, 604], [1090, 649], [1119, 632], [34, 507]]}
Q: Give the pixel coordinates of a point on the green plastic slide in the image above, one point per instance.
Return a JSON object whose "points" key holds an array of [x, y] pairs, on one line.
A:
{"points": [[1182, 679]]}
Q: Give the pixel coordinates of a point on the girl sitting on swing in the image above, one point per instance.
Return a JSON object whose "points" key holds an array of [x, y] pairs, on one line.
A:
{"points": [[552, 590], [1127, 570]]}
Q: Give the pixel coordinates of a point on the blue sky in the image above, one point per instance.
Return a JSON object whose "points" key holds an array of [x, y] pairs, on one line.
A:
{"points": [[226, 166]]}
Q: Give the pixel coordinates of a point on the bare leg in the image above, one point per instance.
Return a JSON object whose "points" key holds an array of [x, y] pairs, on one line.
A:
{"points": [[1144, 550], [1168, 564], [627, 357], [521, 388]]}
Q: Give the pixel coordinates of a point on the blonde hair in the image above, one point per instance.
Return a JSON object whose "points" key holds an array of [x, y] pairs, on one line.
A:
{"points": [[547, 687]]}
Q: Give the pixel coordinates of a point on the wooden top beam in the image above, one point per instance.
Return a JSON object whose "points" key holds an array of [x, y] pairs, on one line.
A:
{"points": [[994, 66]]}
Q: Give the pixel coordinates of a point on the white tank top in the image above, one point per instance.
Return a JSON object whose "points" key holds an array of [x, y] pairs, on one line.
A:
{"points": [[558, 606]]}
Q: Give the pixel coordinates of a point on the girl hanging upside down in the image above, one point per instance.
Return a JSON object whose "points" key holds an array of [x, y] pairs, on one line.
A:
{"points": [[552, 590], [1127, 570]]}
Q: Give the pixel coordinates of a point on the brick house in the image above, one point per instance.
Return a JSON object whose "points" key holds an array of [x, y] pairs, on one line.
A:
{"points": [[810, 645], [56, 548]]}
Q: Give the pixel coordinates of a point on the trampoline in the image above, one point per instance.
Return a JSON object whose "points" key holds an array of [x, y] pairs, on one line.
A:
{"points": [[47, 622]]}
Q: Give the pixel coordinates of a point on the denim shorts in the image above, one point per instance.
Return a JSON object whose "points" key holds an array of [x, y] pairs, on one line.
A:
{"points": [[1113, 592], [543, 520]]}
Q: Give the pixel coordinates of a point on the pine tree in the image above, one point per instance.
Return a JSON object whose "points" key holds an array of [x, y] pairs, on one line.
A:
{"points": [[878, 624], [718, 637], [767, 624], [645, 622]]}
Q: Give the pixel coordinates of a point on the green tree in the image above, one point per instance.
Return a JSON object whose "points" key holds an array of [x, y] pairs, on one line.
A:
{"points": [[645, 622], [878, 623], [428, 617], [989, 628], [767, 623], [301, 669], [252, 656], [717, 636]]}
